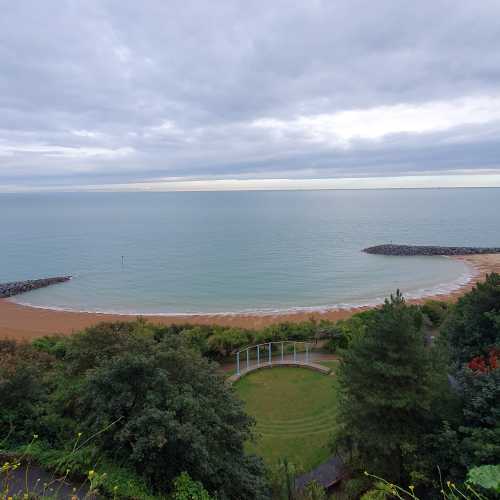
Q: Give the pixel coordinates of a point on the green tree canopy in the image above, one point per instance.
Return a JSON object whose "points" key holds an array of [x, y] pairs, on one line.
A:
{"points": [[473, 326], [385, 390], [169, 411]]}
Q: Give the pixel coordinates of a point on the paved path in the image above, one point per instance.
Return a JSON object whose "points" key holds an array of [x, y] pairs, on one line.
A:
{"points": [[41, 483]]}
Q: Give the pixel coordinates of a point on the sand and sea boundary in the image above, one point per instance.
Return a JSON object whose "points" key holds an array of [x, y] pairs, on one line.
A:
{"points": [[25, 322]]}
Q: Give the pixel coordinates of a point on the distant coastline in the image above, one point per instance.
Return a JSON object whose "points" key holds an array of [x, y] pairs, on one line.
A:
{"points": [[24, 322]]}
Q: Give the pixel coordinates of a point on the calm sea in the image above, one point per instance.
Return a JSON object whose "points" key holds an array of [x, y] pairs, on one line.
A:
{"points": [[237, 251]]}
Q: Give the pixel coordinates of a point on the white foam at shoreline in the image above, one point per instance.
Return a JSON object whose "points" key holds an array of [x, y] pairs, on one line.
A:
{"points": [[432, 291]]}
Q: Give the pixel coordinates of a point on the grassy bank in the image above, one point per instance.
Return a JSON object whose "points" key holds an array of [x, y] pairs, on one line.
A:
{"points": [[294, 409]]}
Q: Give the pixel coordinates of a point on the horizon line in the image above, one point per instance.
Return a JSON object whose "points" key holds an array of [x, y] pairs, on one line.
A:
{"points": [[426, 181]]}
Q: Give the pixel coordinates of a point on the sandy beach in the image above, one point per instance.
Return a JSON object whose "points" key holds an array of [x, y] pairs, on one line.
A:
{"points": [[24, 322]]}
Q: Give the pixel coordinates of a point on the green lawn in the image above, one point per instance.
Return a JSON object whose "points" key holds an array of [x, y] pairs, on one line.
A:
{"points": [[334, 363], [294, 409]]}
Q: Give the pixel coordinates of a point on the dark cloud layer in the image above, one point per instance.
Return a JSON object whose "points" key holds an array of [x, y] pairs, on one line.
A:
{"points": [[100, 92]]}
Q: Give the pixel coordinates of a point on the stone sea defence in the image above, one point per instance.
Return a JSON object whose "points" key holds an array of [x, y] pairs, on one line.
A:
{"points": [[17, 287], [410, 250]]}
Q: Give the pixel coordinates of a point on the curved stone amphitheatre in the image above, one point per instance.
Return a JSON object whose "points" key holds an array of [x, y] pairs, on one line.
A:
{"points": [[284, 353], [17, 287], [284, 364], [412, 250]]}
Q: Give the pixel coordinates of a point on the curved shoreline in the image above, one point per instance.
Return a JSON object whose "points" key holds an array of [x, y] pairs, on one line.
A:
{"points": [[444, 288], [26, 322]]}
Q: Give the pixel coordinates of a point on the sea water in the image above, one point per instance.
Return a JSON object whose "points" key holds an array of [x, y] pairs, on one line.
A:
{"points": [[225, 252]]}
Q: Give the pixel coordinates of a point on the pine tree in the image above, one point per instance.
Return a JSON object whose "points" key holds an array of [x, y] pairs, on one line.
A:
{"points": [[384, 391]]}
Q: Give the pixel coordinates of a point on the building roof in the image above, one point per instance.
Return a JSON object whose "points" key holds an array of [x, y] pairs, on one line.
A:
{"points": [[326, 474]]}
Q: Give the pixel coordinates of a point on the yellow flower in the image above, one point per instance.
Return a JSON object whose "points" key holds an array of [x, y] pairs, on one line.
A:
{"points": [[79, 434], [91, 474], [412, 487]]}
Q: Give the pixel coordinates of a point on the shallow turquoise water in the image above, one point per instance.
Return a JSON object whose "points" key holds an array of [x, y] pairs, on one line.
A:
{"points": [[236, 251]]}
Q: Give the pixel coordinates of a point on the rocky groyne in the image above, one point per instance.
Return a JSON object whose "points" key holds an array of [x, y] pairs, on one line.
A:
{"points": [[17, 287], [411, 250]]}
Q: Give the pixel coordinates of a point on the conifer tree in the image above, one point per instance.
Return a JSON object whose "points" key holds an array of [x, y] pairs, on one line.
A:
{"points": [[384, 391]]}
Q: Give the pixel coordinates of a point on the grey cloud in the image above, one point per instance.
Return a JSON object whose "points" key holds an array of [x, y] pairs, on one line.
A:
{"points": [[101, 77]]}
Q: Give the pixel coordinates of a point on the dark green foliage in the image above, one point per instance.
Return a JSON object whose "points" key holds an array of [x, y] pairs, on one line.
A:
{"points": [[336, 342], [471, 332], [155, 407], [480, 429], [436, 311], [473, 325], [172, 413], [385, 391], [54, 345], [219, 343], [343, 332], [282, 480], [22, 391], [187, 489], [101, 342]]}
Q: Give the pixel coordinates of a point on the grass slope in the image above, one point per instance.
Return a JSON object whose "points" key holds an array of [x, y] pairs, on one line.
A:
{"points": [[294, 409]]}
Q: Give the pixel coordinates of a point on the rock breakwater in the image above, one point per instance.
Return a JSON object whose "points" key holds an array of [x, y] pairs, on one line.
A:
{"points": [[17, 287], [411, 250]]}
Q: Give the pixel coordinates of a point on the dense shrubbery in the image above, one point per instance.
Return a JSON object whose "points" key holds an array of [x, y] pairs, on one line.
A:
{"points": [[473, 327], [145, 403], [406, 409], [218, 342], [155, 407], [343, 332], [22, 388], [472, 335], [436, 311]]}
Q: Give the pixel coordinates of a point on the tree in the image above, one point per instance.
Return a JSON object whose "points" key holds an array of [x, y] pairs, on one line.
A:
{"points": [[472, 335], [22, 389], [480, 429], [168, 411], [473, 326], [384, 391]]}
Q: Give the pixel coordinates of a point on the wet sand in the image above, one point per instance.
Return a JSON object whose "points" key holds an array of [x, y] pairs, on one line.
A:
{"points": [[24, 322]]}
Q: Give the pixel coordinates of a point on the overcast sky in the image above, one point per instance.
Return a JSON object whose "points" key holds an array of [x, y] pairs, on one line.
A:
{"points": [[187, 94]]}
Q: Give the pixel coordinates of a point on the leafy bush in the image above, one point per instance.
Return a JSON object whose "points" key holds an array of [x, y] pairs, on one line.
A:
{"points": [[436, 311], [187, 489], [473, 326], [154, 407], [485, 476], [22, 389]]}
